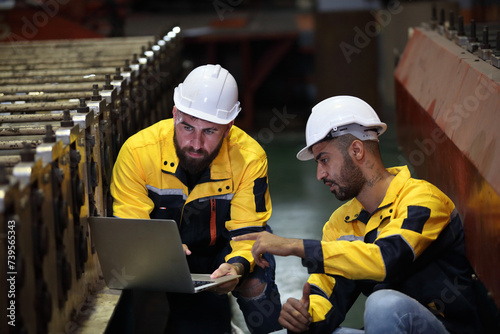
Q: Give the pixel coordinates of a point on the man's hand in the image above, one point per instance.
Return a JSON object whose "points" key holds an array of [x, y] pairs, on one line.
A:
{"points": [[224, 270], [186, 249], [266, 242], [295, 315]]}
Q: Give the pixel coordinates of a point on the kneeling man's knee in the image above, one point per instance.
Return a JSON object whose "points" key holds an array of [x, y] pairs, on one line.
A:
{"points": [[384, 302], [251, 288]]}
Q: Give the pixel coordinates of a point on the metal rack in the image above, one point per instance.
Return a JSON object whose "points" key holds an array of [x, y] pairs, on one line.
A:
{"points": [[466, 36], [66, 108]]}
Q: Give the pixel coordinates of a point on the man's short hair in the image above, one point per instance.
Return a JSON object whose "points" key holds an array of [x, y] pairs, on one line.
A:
{"points": [[343, 143]]}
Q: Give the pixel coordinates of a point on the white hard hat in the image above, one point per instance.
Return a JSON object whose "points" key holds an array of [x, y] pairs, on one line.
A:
{"points": [[340, 115], [210, 93]]}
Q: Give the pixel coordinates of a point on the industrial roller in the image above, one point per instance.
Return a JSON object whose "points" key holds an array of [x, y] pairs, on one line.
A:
{"points": [[66, 108]]}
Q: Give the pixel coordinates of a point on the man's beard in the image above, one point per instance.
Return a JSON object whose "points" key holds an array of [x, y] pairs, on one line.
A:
{"points": [[352, 179], [195, 165]]}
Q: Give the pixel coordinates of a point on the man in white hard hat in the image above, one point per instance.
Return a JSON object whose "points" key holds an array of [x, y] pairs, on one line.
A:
{"points": [[398, 240], [211, 178]]}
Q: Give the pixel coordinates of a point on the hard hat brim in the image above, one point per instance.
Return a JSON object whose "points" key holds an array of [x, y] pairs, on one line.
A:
{"points": [[339, 115], [205, 116], [353, 129], [182, 106], [305, 154]]}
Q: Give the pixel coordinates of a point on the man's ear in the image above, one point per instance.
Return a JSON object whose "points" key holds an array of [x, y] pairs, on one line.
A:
{"points": [[174, 112], [357, 150], [229, 125]]}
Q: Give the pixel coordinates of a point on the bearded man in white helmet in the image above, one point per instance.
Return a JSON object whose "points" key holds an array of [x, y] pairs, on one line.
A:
{"points": [[398, 240], [211, 178]]}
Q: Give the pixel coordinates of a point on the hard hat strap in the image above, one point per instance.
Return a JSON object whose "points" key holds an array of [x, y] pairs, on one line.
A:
{"points": [[359, 131]]}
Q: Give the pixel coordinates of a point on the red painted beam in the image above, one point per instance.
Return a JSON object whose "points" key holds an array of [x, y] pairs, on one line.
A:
{"points": [[448, 109], [42, 24]]}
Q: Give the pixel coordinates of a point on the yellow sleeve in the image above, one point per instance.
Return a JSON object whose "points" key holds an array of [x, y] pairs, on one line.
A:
{"points": [[128, 186], [416, 221], [250, 210], [331, 296], [330, 299]]}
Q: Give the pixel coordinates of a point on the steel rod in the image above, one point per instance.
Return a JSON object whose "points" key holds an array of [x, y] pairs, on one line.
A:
{"points": [[46, 96], [20, 118], [38, 106], [50, 88]]}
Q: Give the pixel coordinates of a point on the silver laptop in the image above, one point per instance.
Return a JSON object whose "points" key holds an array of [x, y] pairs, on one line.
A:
{"points": [[146, 254]]}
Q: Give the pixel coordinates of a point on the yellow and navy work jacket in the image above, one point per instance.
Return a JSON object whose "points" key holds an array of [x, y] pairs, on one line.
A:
{"points": [[231, 197], [413, 243]]}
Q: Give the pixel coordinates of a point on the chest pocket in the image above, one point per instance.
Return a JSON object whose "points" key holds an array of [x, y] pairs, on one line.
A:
{"points": [[168, 203], [377, 222], [204, 222]]}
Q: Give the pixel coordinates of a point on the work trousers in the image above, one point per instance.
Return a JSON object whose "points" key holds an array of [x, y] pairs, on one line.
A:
{"points": [[207, 312], [390, 311]]}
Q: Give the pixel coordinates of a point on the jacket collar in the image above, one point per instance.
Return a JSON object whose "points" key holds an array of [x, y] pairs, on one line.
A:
{"points": [[402, 175]]}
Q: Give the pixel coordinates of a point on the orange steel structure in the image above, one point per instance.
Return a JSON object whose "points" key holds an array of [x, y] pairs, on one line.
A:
{"points": [[448, 113]]}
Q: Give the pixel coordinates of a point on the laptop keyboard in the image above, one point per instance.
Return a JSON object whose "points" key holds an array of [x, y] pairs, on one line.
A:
{"points": [[200, 283]]}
